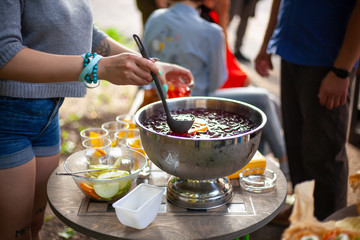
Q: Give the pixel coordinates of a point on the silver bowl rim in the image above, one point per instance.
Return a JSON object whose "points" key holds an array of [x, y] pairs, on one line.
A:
{"points": [[261, 126]]}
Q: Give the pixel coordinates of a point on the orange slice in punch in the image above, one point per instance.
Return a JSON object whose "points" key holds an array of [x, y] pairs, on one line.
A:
{"points": [[89, 190], [96, 140], [198, 126], [131, 133], [132, 125], [122, 134], [114, 143], [99, 152], [135, 144]]}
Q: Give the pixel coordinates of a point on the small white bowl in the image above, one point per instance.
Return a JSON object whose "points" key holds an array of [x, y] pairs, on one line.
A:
{"points": [[139, 208]]}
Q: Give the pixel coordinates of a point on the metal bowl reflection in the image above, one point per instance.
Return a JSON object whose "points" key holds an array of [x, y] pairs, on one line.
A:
{"points": [[201, 159]]}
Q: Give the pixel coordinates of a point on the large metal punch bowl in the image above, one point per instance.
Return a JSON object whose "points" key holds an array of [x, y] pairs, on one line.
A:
{"points": [[201, 159]]}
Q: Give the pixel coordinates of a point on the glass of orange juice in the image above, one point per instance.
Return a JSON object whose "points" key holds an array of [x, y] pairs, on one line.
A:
{"points": [[112, 127], [93, 133], [135, 144], [122, 136], [128, 118], [97, 153]]}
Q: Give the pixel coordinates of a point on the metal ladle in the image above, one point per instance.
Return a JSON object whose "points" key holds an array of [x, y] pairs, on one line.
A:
{"points": [[179, 126]]}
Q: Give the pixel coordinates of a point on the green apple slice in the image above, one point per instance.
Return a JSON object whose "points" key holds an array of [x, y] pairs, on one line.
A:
{"points": [[107, 190], [124, 187], [115, 174], [111, 189], [98, 166], [117, 163], [98, 173]]}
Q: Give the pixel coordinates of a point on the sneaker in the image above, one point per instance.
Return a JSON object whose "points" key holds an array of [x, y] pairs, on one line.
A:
{"points": [[239, 56]]}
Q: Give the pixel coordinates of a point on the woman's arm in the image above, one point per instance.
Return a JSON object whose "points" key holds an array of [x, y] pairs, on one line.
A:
{"points": [[120, 65], [29, 65], [123, 66], [108, 47]]}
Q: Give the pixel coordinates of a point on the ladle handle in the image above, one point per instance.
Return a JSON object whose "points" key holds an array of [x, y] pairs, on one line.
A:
{"points": [[156, 80]]}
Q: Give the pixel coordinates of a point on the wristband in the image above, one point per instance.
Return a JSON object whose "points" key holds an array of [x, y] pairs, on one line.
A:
{"points": [[89, 74]]}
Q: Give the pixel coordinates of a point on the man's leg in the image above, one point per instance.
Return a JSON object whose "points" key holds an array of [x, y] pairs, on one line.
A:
{"points": [[315, 137], [247, 10]]}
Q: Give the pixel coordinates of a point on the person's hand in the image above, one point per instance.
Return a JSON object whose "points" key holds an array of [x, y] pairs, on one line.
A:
{"points": [[176, 71], [263, 63], [333, 91], [127, 69]]}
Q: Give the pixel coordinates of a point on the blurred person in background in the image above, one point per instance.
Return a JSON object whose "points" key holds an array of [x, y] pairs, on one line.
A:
{"points": [[244, 9], [319, 46], [146, 7], [218, 12]]}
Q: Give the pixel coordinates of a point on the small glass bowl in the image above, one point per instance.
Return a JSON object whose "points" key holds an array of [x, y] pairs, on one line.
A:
{"points": [[110, 189], [258, 180]]}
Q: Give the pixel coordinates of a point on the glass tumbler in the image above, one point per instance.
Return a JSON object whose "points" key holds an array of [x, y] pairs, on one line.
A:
{"points": [[122, 136], [112, 127], [178, 86], [135, 144], [128, 119], [93, 133], [97, 154]]}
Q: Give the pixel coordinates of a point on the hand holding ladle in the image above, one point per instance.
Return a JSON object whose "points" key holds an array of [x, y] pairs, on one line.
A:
{"points": [[179, 126]]}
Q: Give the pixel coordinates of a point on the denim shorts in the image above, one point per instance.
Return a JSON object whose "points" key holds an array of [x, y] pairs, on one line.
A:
{"points": [[28, 128]]}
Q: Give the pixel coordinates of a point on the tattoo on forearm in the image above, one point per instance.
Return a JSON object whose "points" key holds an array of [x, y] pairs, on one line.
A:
{"points": [[103, 49], [22, 232], [40, 210]]}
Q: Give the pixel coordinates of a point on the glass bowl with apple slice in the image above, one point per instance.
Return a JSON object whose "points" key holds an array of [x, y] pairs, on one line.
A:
{"points": [[110, 181]]}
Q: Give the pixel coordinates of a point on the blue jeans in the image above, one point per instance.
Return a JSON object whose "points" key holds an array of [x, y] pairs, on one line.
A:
{"points": [[28, 128]]}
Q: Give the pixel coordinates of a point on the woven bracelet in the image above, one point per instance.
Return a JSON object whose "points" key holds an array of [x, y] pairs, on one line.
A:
{"points": [[89, 74]]}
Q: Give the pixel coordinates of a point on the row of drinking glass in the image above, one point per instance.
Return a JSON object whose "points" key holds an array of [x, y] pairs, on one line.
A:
{"points": [[98, 142]]}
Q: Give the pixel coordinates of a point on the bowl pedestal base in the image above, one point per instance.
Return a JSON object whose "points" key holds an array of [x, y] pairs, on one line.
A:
{"points": [[199, 194]]}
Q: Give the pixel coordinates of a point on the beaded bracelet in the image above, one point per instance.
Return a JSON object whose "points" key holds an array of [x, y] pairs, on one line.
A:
{"points": [[89, 74]]}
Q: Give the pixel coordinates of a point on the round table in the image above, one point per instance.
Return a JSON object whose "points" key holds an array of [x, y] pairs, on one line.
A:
{"points": [[246, 213]]}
